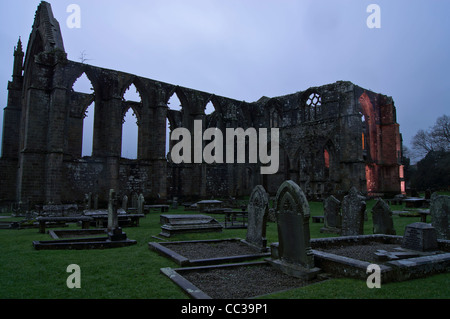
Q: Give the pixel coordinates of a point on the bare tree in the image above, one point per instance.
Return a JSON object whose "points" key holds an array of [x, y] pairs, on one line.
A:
{"points": [[437, 138], [441, 133], [83, 57]]}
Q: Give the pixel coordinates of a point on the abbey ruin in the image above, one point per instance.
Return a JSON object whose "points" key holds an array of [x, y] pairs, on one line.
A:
{"points": [[332, 137]]}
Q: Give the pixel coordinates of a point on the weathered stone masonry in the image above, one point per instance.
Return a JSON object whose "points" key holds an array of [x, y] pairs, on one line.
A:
{"points": [[331, 137]]}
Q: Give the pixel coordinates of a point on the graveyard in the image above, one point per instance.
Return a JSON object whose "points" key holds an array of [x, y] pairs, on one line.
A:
{"points": [[336, 217], [230, 263]]}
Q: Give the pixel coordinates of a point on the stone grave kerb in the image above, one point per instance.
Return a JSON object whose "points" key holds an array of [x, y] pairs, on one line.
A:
{"points": [[258, 210]]}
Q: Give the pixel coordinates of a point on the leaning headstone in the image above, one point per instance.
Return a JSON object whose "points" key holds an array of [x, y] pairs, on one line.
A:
{"points": [[382, 218], [353, 211], [332, 215], [258, 209], [294, 255], [420, 236], [440, 215]]}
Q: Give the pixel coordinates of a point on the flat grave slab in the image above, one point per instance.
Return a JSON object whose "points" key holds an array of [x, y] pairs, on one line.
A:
{"points": [[179, 224], [82, 243], [75, 233]]}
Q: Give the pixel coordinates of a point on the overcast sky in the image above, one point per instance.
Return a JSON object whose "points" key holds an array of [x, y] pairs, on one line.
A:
{"points": [[245, 49]]}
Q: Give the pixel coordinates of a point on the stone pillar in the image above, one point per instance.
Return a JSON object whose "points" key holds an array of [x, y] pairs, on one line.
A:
{"points": [[158, 157], [13, 110], [32, 156], [108, 139]]}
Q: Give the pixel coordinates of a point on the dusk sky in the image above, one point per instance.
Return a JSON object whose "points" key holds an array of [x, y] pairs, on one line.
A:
{"points": [[246, 49]]}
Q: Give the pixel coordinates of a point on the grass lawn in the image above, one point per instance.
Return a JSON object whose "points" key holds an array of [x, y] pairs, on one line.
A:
{"points": [[134, 272]]}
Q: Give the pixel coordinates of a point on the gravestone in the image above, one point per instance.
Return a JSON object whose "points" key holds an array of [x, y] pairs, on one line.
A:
{"points": [[258, 209], [294, 255], [353, 211], [175, 203], [113, 221], [114, 231], [440, 215], [125, 202], [271, 217], [140, 204], [134, 200], [96, 201], [332, 215], [420, 236], [382, 218], [88, 201]]}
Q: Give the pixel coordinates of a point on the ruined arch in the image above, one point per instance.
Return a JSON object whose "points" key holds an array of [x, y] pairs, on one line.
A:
{"points": [[275, 110], [216, 103], [330, 160], [181, 95], [80, 123], [370, 135], [131, 120]]}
